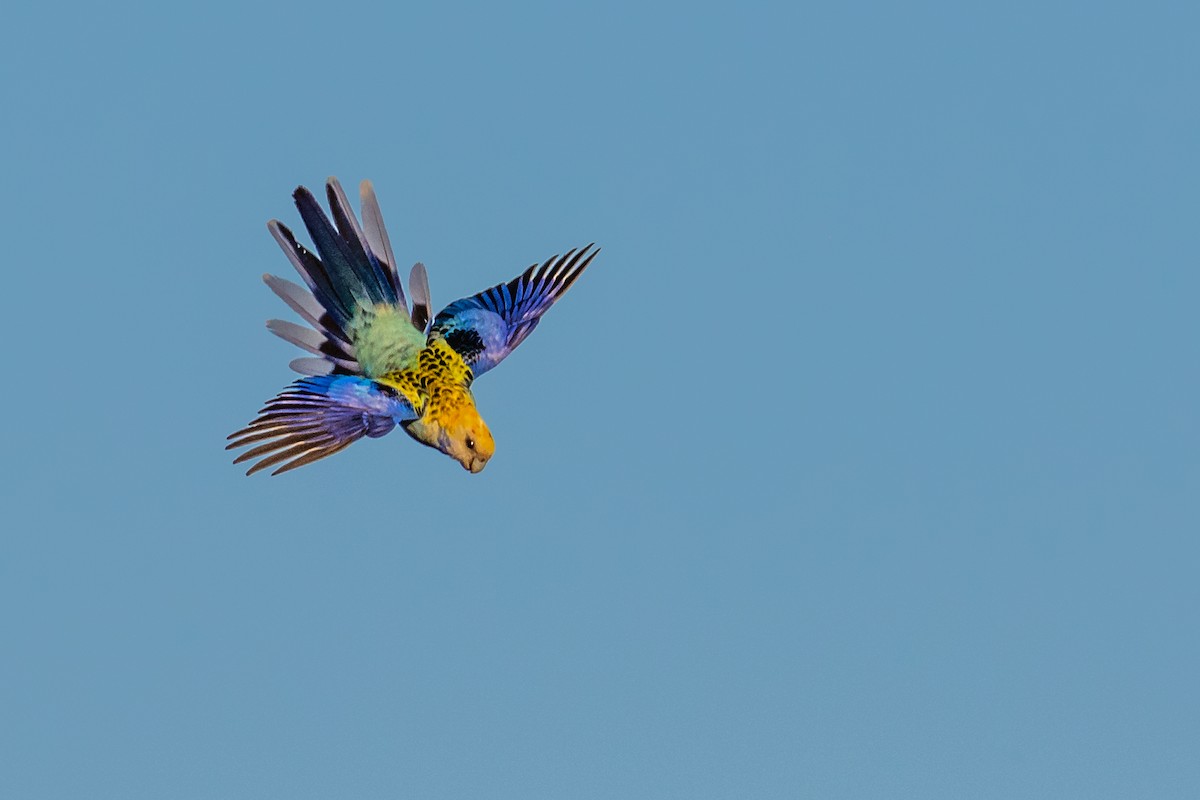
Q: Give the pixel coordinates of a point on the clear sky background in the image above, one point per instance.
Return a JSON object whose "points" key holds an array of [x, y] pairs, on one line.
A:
{"points": [[864, 462]]}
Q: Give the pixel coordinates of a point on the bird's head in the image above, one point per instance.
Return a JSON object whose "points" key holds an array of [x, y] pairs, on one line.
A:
{"points": [[468, 441], [452, 424]]}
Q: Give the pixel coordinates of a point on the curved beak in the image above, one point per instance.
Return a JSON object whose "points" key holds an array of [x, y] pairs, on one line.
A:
{"points": [[475, 465]]}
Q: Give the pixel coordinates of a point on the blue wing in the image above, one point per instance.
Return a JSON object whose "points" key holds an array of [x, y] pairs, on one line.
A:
{"points": [[486, 327], [317, 417]]}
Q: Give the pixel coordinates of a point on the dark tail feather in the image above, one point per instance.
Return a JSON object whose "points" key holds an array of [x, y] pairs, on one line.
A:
{"points": [[319, 343], [378, 242], [313, 272], [418, 287], [345, 276], [371, 274], [306, 305]]}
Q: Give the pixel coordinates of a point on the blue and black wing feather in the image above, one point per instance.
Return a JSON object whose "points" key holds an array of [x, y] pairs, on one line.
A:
{"points": [[486, 327]]}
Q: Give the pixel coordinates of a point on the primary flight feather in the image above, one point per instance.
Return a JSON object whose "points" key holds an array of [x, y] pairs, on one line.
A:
{"points": [[376, 361]]}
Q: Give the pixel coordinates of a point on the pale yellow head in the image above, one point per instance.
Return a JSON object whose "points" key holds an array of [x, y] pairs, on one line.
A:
{"points": [[452, 424]]}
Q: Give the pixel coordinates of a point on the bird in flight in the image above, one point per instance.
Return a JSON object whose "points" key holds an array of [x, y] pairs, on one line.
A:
{"points": [[377, 361]]}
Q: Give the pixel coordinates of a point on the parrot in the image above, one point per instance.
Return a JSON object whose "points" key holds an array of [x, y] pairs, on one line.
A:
{"points": [[376, 361]]}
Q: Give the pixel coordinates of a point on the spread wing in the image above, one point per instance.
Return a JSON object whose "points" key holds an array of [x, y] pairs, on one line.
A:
{"points": [[486, 327], [316, 417]]}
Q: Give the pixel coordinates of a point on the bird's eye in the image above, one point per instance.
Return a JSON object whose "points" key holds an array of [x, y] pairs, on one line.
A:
{"points": [[470, 443]]}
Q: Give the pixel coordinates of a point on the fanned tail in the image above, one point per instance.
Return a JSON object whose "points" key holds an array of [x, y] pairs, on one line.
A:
{"points": [[352, 273]]}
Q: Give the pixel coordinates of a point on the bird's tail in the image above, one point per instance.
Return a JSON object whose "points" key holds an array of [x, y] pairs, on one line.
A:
{"points": [[353, 272]]}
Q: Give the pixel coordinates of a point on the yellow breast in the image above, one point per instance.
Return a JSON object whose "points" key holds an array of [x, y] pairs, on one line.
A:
{"points": [[437, 385]]}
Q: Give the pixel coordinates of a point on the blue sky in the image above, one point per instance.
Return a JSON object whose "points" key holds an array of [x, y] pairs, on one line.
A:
{"points": [[861, 463]]}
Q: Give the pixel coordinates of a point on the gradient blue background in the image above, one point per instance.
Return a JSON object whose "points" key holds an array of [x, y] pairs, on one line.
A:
{"points": [[863, 462]]}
